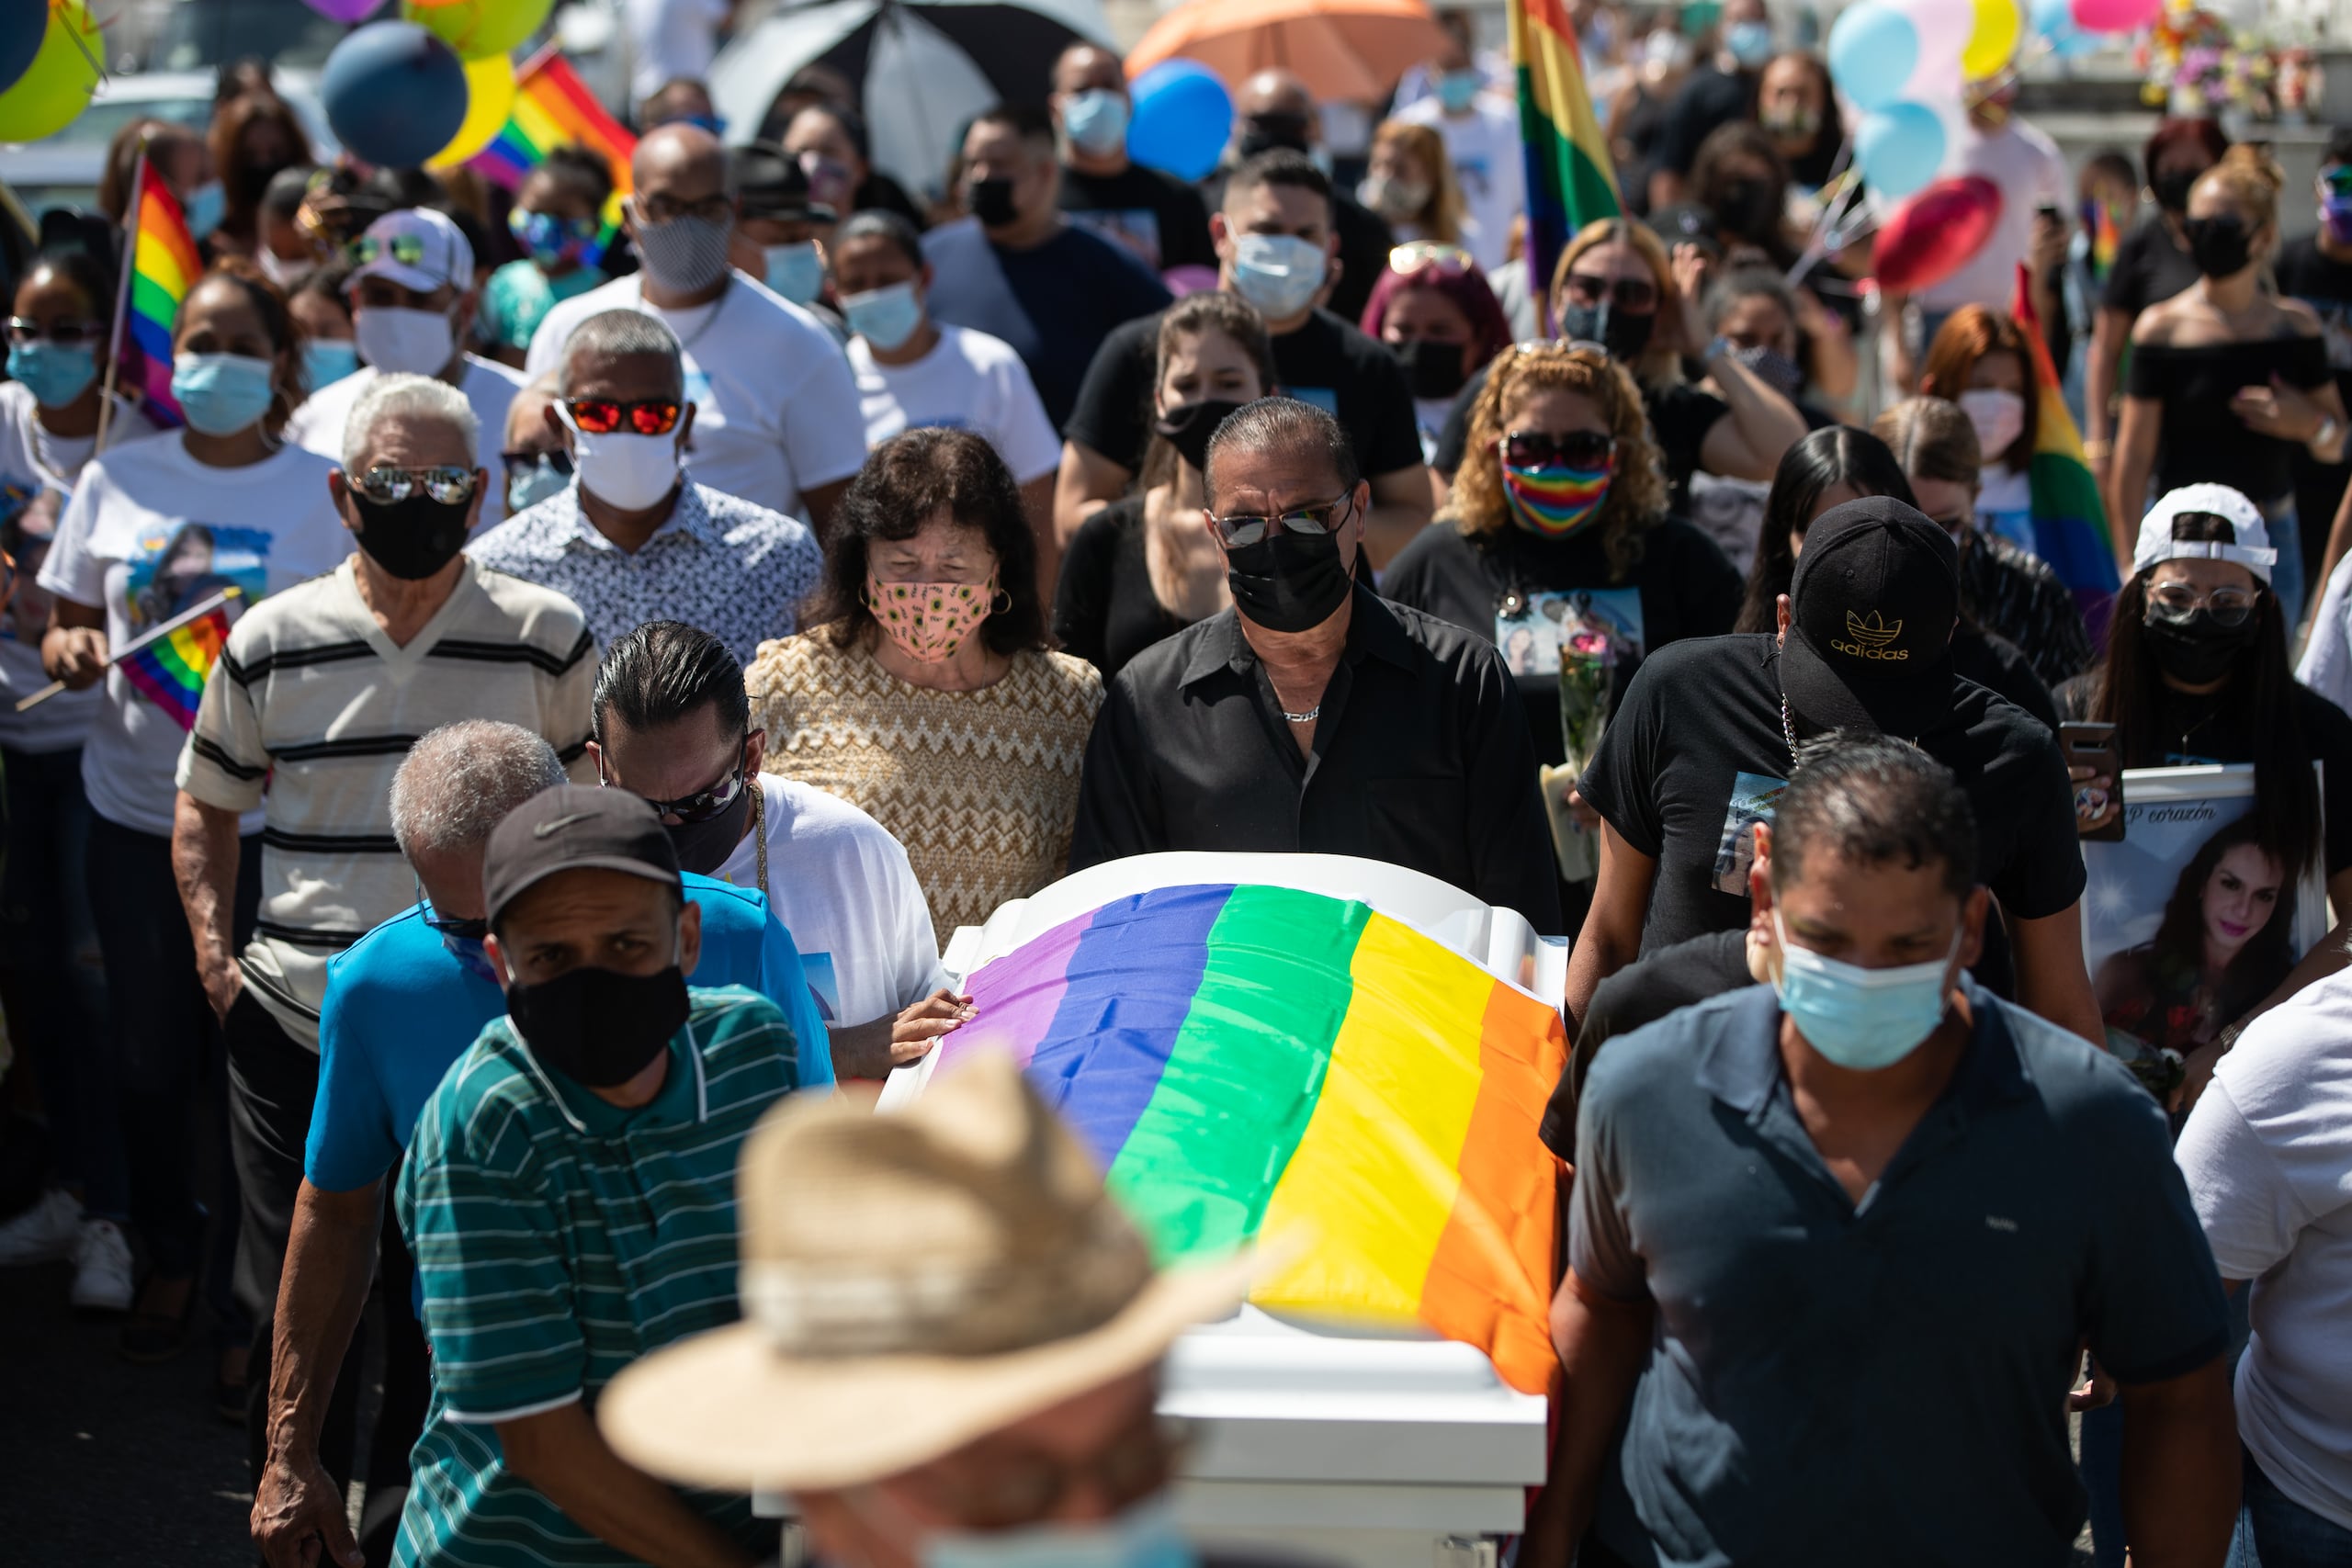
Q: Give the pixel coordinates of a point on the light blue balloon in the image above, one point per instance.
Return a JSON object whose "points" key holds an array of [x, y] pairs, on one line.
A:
{"points": [[1873, 48], [2054, 20], [1182, 115], [1899, 148]]}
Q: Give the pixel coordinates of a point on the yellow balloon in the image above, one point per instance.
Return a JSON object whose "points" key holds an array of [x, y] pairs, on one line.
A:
{"points": [[57, 86], [479, 29], [1992, 40], [489, 98]]}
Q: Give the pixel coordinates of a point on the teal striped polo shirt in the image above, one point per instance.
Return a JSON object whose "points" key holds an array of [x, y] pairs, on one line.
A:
{"points": [[558, 1238]]}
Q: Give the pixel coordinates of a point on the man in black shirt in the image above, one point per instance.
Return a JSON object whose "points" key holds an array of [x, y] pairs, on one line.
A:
{"points": [[1314, 716], [1157, 216], [1864, 643], [1273, 236]]}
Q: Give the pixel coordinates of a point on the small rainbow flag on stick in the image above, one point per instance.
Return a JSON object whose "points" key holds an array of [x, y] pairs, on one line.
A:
{"points": [[1570, 180], [1248, 1058], [552, 107], [169, 664], [165, 265], [2070, 528]]}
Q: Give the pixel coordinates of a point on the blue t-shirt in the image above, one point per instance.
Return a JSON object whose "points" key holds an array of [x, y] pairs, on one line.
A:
{"points": [[400, 1008]]}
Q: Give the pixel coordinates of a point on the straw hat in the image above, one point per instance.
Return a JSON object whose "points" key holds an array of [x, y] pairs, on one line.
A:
{"points": [[910, 1283]]}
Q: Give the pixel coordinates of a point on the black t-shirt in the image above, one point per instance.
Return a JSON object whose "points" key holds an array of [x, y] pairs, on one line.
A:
{"points": [[1157, 217], [1681, 587], [1104, 609], [1366, 241], [1680, 416], [2308, 274], [2150, 266], [2219, 727], [1326, 362], [1999, 665], [1709, 98], [2203, 440], [1643, 992], [1696, 754]]}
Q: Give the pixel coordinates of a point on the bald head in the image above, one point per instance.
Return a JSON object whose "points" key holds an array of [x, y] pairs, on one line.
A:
{"points": [[1084, 66], [1273, 92], [682, 162]]}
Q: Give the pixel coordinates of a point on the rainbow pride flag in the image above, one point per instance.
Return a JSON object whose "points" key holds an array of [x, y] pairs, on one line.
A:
{"points": [[1247, 1058], [164, 265], [552, 107], [1570, 180], [2070, 528], [168, 667]]}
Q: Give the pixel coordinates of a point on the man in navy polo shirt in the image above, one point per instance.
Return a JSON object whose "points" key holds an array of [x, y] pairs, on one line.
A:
{"points": [[1841, 1240]]}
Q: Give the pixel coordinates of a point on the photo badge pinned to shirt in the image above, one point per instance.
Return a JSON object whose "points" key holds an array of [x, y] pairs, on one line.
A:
{"points": [[1532, 634], [176, 570], [1753, 797]]}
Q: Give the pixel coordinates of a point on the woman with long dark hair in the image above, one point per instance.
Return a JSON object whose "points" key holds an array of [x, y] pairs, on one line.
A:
{"points": [[2224, 944]]}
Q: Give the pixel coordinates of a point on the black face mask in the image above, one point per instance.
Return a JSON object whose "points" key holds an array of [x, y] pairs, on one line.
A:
{"points": [[2199, 650], [413, 538], [597, 1027], [251, 180], [1188, 427], [1626, 335], [2171, 187], [991, 202], [1747, 210], [1432, 368], [2219, 246], [1286, 582], [704, 847], [1264, 133]]}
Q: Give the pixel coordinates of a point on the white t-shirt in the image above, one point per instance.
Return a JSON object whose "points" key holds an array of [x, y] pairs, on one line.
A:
{"points": [[1488, 163], [489, 386], [152, 532], [2326, 666], [31, 459], [2031, 173], [2268, 1156], [841, 886], [775, 407], [670, 39], [969, 381]]}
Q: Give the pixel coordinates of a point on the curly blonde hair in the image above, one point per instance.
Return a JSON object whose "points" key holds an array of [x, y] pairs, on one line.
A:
{"points": [[1636, 499]]}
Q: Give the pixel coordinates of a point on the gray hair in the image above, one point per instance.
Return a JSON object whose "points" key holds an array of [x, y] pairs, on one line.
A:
{"points": [[415, 399], [459, 782], [619, 335], [1287, 423]]}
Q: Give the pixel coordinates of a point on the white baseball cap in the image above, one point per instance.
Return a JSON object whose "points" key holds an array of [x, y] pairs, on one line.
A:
{"points": [[2248, 543], [416, 248]]}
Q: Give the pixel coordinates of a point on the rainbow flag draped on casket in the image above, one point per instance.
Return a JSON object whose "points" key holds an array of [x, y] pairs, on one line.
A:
{"points": [[1248, 1059]]}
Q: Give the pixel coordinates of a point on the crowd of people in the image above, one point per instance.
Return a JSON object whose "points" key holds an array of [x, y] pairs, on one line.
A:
{"points": [[643, 649]]}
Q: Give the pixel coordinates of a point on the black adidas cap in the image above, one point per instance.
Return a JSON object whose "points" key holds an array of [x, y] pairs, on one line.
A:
{"points": [[1871, 614], [571, 828]]}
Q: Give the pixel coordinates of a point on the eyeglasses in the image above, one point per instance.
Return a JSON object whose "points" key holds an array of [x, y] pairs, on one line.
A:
{"points": [[406, 248], [999, 1487], [664, 209], [1585, 449], [450, 486], [607, 416], [1431, 255], [1310, 520], [1638, 294], [702, 805], [521, 464], [2178, 602], [464, 928], [68, 335]]}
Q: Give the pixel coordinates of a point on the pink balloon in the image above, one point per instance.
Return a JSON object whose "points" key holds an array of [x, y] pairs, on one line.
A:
{"points": [[2115, 16], [1944, 27], [343, 10]]}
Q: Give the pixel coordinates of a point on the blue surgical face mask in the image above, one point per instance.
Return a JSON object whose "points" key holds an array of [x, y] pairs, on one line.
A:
{"points": [[471, 955], [1457, 90], [797, 272], [222, 393], [1096, 120], [54, 373], [885, 317], [542, 480], [1858, 1018], [1144, 1537], [1751, 43], [326, 360], [1278, 273], [204, 209]]}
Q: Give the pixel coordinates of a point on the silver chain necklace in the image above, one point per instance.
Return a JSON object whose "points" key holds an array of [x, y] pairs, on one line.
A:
{"points": [[1307, 717], [1787, 730]]}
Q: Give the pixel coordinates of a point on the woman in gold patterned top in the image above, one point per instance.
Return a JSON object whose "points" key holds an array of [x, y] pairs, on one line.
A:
{"points": [[928, 699]]}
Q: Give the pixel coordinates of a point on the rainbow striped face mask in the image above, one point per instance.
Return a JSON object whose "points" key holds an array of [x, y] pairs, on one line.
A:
{"points": [[1555, 500]]}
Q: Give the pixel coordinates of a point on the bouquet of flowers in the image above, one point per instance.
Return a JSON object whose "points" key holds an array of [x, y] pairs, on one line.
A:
{"points": [[1587, 660]]}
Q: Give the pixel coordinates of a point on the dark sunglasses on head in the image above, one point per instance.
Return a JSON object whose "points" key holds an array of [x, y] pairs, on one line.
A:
{"points": [[450, 486], [609, 416], [1638, 294], [520, 464], [702, 805], [1325, 517], [1585, 449], [68, 335]]}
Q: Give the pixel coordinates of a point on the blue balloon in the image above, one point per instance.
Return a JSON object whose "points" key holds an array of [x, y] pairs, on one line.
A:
{"points": [[1182, 115], [21, 31], [1899, 148], [2054, 19], [1873, 50], [393, 93]]}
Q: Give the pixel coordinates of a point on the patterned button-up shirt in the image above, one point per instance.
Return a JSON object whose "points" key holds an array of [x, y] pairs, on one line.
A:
{"points": [[737, 571]]}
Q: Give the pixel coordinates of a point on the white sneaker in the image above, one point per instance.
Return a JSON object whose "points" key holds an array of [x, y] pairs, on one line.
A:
{"points": [[43, 1233], [101, 1268]]}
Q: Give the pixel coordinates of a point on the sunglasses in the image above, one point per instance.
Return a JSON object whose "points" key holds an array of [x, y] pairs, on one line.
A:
{"points": [[702, 805], [468, 928], [665, 209], [408, 250], [68, 335], [610, 416], [1638, 294], [385, 483], [521, 464], [1585, 449], [525, 225], [2178, 602], [1429, 255], [1323, 518]]}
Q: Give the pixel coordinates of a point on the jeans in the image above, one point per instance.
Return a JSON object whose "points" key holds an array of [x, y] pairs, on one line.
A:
{"points": [[53, 979], [2276, 1531]]}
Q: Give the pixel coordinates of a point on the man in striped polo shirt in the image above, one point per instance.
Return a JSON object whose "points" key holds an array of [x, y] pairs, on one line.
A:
{"points": [[320, 693], [569, 1198]]}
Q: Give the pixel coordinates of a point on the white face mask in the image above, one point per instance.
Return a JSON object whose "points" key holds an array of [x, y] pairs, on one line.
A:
{"points": [[1998, 417], [395, 339], [633, 472]]}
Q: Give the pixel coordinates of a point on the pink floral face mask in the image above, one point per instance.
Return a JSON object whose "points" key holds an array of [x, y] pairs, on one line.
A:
{"points": [[928, 620]]}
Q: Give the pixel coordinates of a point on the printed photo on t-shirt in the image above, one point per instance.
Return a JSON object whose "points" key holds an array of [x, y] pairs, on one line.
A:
{"points": [[175, 571], [1323, 398], [1136, 228], [1753, 796], [1532, 639]]}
